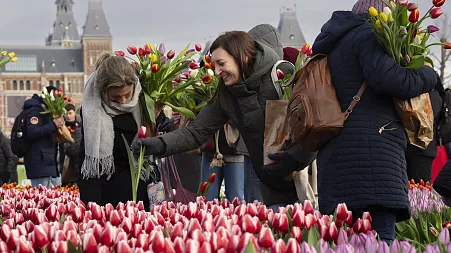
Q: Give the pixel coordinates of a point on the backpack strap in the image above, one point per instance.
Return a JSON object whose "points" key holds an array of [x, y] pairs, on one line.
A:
{"points": [[356, 99], [274, 78]]}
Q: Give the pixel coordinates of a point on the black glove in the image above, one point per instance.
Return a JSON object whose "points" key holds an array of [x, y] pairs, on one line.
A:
{"points": [[284, 165], [153, 145], [164, 124]]}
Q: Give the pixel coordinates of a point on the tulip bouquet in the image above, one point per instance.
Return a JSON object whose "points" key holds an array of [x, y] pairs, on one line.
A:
{"points": [[429, 215], [204, 186], [55, 103], [6, 57], [400, 32], [156, 70], [286, 79]]}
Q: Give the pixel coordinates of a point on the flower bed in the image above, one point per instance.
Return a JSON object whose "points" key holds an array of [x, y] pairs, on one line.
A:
{"points": [[55, 220]]}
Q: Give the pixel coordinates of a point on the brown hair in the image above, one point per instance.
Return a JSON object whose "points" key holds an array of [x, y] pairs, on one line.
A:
{"points": [[242, 48], [114, 71]]}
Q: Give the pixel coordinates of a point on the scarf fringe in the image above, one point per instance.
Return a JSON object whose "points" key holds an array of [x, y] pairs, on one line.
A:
{"points": [[91, 167]]}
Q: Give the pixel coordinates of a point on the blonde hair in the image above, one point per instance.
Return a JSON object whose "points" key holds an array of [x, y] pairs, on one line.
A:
{"points": [[114, 71]]}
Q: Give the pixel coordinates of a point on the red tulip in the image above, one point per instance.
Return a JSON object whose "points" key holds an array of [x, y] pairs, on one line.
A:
{"points": [[212, 177], [69, 100], [367, 216], [296, 232], [293, 246], [332, 232], [104, 249], [207, 59], [192, 246], [251, 209], [146, 49], [358, 226], [207, 80], [65, 97], [280, 74], [278, 247], [447, 45], [283, 223], [265, 238], [119, 53], [108, 235], [142, 132], [40, 238], [78, 215], [438, 3], [248, 224], [171, 54], [123, 247], [213, 66], [155, 68], [299, 219], [412, 6], [132, 49], [203, 187], [308, 207], [141, 52], [348, 220], [366, 226], [310, 52], [23, 246], [414, 16], [305, 49], [194, 65], [342, 211], [176, 80], [143, 242], [435, 13], [198, 47], [89, 243], [114, 218]]}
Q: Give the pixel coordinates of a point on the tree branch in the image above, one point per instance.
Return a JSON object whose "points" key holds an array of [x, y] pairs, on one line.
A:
{"points": [[447, 56], [447, 77]]}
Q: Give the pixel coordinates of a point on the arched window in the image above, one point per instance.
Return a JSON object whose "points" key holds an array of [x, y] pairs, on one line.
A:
{"points": [[51, 83], [28, 85], [14, 85], [57, 84], [21, 87]]}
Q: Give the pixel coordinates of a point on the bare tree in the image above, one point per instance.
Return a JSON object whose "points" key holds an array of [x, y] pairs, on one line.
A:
{"points": [[445, 55]]}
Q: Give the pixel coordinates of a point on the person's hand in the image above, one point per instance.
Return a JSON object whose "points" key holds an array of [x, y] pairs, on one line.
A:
{"points": [[153, 145], [59, 122], [164, 124], [176, 117], [284, 164]]}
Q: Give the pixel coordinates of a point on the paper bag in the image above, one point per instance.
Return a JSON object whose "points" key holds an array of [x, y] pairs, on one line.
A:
{"points": [[417, 118], [277, 134]]}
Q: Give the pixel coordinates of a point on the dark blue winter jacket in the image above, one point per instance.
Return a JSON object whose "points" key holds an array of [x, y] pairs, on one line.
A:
{"points": [[40, 159], [364, 166]]}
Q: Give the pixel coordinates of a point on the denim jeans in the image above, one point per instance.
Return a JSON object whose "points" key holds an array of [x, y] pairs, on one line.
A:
{"points": [[56, 181], [231, 173], [44, 181], [251, 190]]}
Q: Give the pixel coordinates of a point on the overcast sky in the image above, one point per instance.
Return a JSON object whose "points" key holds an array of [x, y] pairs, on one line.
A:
{"points": [[174, 22]]}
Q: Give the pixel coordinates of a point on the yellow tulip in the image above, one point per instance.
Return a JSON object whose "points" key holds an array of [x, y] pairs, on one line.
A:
{"points": [[390, 18], [153, 58], [11, 55], [14, 59], [379, 24], [151, 47], [421, 35], [4, 53], [373, 12], [383, 17]]}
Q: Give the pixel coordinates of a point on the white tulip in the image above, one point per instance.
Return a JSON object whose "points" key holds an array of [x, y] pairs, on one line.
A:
{"points": [[193, 73], [210, 72], [44, 90], [52, 97], [417, 40], [387, 11]]}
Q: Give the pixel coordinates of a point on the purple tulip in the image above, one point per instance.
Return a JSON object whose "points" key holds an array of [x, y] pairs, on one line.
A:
{"points": [[162, 49], [414, 33], [190, 51], [429, 249], [444, 237], [395, 247], [449, 247], [433, 29], [163, 59], [407, 58], [342, 236], [383, 247], [371, 245], [323, 245]]}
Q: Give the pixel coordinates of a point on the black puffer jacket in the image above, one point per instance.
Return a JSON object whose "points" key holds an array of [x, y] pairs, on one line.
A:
{"points": [[7, 159], [360, 166]]}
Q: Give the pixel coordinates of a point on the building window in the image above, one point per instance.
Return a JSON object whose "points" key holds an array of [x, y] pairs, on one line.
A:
{"points": [[28, 85], [292, 37], [57, 84], [24, 64], [97, 27], [21, 87], [51, 83], [14, 84]]}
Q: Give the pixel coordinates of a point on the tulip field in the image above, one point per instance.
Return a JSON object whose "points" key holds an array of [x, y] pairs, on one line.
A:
{"points": [[56, 220]]}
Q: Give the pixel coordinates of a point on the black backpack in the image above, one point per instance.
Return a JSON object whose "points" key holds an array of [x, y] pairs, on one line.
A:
{"points": [[19, 135], [444, 123]]}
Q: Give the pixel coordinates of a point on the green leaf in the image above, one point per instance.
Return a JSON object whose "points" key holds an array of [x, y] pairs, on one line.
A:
{"points": [[131, 163], [186, 112], [416, 62], [430, 61], [250, 248], [71, 247], [313, 236], [62, 219], [44, 250], [150, 105]]}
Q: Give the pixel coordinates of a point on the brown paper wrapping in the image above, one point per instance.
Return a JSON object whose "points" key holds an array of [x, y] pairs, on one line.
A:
{"points": [[417, 118]]}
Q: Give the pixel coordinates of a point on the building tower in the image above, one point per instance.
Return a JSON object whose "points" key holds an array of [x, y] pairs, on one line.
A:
{"points": [[96, 37], [65, 33], [290, 30]]}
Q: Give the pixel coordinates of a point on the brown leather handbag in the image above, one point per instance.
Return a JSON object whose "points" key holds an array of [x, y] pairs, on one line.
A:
{"points": [[314, 112]]}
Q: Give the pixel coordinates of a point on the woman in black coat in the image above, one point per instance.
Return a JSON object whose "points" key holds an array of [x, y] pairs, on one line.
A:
{"points": [[364, 166]]}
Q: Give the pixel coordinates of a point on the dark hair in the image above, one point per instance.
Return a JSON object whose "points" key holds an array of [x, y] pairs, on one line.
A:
{"points": [[70, 107], [50, 88], [241, 46]]}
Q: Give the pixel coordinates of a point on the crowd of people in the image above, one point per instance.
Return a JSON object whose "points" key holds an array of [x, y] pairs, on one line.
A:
{"points": [[367, 165]]}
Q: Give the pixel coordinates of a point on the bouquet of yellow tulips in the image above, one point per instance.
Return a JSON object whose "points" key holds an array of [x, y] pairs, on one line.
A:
{"points": [[6, 57]]}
